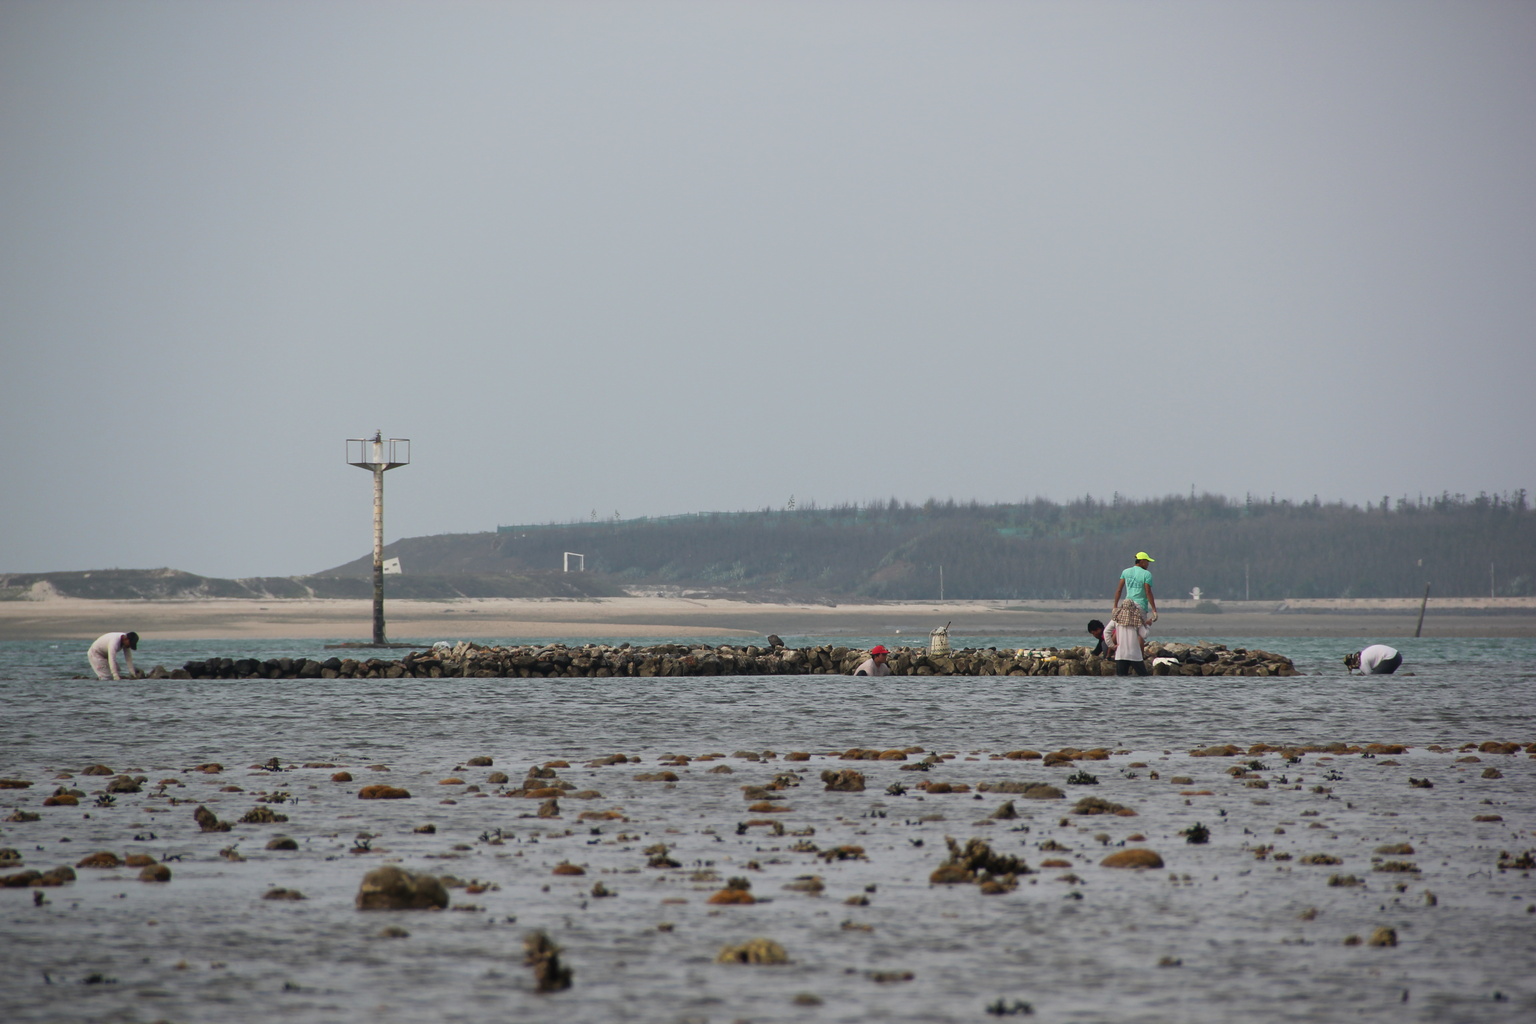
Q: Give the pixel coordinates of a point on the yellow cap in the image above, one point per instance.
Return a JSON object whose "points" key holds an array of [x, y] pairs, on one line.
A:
{"points": [[1142, 555]]}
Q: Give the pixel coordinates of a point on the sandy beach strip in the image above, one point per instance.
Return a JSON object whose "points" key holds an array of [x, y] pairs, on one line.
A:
{"points": [[74, 619]]}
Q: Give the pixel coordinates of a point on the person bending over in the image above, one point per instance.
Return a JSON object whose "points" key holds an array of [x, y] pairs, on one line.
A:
{"points": [[1375, 660], [103, 654], [1096, 630]]}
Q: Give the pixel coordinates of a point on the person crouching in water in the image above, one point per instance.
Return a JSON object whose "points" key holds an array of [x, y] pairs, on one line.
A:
{"points": [[1124, 634], [103, 654], [875, 664], [1375, 660]]}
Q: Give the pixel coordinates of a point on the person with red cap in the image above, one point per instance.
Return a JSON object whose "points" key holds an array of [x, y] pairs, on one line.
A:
{"points": [[875, 664]]}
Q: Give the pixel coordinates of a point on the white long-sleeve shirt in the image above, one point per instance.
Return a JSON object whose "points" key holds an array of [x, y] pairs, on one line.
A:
{"points": [[107, 647]]}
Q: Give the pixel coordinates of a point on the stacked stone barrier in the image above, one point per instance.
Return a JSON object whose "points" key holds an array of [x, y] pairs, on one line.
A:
{"points": [[471, 660]]}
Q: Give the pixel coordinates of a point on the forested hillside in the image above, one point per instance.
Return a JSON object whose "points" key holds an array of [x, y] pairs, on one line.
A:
{"points": [[174, 585], [1230, 549]]}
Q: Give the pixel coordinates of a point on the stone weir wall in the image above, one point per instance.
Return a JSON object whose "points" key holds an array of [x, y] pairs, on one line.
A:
{"points": [[474, 660]]}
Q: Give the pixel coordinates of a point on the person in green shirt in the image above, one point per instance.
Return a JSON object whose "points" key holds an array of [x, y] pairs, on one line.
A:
{"points": [[1136, 585]]}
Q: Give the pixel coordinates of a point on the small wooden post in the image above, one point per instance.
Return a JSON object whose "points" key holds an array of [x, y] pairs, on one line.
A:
{"points": [[1419, 629]]}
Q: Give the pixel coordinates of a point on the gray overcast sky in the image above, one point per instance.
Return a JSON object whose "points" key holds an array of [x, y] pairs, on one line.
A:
{"points": [[652, 258]]}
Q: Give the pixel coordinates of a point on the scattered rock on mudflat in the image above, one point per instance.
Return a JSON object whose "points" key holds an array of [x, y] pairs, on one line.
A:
{"points": [[393, 888], [104, 859], [735, 893], [541, 954], [38, 879], [1094, 805], [976, 861], [845, 781], [208, 821], [1028, 790], [1137, 858], [753, 951]]}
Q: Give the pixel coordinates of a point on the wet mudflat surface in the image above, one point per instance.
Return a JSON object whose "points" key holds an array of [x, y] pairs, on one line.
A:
{"points": [[1245, 924]]}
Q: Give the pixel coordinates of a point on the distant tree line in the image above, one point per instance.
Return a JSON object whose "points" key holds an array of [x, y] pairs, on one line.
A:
{"points": [[1231, 549], [173, 585]]}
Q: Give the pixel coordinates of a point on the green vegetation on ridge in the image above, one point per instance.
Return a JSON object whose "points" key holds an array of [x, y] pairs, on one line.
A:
{"points": [[1230, 549], [889, 550]]}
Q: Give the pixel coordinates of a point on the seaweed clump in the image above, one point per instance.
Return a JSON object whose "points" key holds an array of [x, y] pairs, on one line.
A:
{"points": [[976, 862], [541, 954]]}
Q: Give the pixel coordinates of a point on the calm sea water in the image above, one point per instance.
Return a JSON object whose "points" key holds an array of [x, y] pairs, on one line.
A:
{"points": [[1447, 691], [206, 948]]}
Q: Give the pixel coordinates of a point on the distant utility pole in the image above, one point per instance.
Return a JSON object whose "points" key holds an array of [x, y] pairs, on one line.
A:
{"points": [[1418, 630], [378, 454], [941, 583], [1245, 581]]}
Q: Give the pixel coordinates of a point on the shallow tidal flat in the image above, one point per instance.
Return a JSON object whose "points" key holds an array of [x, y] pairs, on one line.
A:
{"points": [[898, 882]]}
